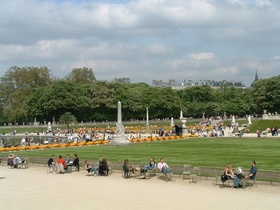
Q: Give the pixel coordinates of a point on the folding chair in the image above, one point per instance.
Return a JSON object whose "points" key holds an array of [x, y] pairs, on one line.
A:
{"points": [[109, 171], [51, 169], [169, 175], [151, 172], [251, 182], [195, 174], [187, 170], [217, 178]]}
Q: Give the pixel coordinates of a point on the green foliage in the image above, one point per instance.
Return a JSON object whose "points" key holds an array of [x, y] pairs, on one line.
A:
{"points": [[81, 75], [263, 124], [30, 92], [67, 118], [16, 85], [266, 94], [60, 97], [203, 94]]}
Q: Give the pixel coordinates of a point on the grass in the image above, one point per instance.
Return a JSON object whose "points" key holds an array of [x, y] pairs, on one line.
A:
{"points": [[205, 152], [263, 124]]}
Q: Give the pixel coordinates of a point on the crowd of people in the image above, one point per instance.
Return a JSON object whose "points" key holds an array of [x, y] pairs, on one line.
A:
{"points": [[151, 166], [101, 168], [239, 175], [63, 165], [14, 161]]}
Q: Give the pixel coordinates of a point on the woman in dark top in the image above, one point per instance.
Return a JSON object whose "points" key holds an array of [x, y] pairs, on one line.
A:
{"points": [[88, 167], [103, 167], [76, 162]]}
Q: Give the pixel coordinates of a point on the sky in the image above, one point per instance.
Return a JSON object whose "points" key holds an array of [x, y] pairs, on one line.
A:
{"points": [[144, 40]]}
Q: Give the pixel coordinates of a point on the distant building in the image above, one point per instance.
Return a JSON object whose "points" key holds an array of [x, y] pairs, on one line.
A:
{"points": [[256, 78], [180, 85]]}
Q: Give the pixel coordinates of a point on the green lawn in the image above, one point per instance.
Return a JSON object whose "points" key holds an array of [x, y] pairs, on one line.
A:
{"points": [[205, 152]]}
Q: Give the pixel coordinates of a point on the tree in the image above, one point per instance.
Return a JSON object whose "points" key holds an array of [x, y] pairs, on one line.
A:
{"points": [[67, 118], [16, 85], [81, 75], [60, 97], [235, 101], [266, 94], [202, 94], [212, 109]]}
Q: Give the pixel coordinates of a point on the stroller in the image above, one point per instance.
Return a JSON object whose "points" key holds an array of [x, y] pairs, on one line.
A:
{"points": [[20, 163], [241, 176]]}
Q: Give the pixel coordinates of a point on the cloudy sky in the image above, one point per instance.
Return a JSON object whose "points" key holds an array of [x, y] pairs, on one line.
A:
{"points": [[144, 39]]}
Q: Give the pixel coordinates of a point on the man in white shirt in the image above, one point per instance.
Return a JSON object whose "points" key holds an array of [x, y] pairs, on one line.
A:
{"points": [[163, 167]]}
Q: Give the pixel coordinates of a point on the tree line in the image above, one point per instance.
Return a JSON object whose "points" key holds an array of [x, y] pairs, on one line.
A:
{"points": [[29, 92]]}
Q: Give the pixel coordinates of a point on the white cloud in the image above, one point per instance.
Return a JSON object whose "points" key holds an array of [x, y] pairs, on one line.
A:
{"points": [[201, 56], [143, 39], [159, 49], [275, 58]]}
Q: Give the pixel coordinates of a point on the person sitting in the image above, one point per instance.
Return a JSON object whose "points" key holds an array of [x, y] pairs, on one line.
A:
{"points": [[253, 171], [103, 167], [251, 176], [17, 161], [95, 169], [10, 161], [69, 163], [61, 165], [68, 160], [88, 167], [163, 167], [51, 164], [151, 165], [76, 162], [132, 168], [228, 172]]}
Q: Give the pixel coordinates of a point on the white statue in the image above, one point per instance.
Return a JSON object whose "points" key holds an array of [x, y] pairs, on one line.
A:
{"points": [[181, 115], [233, 119], [49, 126], [172, 122], [249, 120]]}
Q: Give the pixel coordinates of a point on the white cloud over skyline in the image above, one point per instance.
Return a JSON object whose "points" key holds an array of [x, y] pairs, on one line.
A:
{"points": [[143, 39]]}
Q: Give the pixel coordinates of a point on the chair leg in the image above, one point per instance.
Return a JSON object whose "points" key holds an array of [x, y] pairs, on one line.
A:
{"points": [[251, 183]]}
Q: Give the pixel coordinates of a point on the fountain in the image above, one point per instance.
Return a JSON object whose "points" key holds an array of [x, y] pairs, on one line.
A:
{"points": [[119, 137]]}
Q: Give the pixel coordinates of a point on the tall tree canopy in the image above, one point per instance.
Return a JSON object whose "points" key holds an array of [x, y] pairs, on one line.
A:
{"points": [[60, 97], [266, 94], [30, 92], [81, 75], [16, 85]]}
